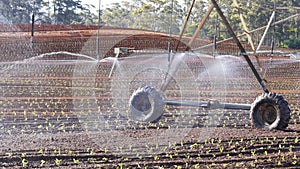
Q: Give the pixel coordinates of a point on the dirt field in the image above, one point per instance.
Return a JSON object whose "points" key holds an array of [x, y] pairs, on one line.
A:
{"points": [[63, 111]]}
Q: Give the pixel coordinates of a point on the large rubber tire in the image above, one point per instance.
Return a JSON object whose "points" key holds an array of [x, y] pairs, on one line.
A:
{"points": [[271, 111], [147, 104]]}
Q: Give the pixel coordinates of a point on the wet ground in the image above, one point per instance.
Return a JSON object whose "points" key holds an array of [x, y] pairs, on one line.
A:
{"points": [[70, 114]]}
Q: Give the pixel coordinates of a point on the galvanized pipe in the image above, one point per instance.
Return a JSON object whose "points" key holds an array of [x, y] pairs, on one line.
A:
{"points": [[208, 104]]}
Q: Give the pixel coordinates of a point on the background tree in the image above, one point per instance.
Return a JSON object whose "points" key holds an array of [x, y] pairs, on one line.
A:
{"points": [[118, 14], [47, 12], [144, 14], [66, 11], [87, 17], [199, 10], [155, 15], [20, 12]]}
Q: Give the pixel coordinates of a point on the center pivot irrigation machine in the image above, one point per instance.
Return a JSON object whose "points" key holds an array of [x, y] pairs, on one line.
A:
{"points": [[269, 110]]}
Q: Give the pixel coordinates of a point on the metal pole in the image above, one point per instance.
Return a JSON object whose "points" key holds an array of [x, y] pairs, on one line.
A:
{"points": [[213, 104], [170, 34], [200, 26], [185, 23], [32, 24], [166, 80], [242, 49], [55, 8], [215, 37], [266, 31], [215, 46], [98, 34], [274, 30]]}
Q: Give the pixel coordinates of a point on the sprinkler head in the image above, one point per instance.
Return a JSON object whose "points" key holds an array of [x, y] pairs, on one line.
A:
{"points": [[147, 104]]}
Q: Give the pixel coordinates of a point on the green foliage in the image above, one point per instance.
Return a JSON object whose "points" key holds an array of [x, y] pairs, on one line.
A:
{"points": [[155, 15], [146, 14], [17, 12], [292, 43], [46, 12], [71, 12], [118, 15]]}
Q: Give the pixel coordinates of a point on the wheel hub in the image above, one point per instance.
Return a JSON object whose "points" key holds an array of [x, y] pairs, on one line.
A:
{"points": [[268, 112], [141, 102]]}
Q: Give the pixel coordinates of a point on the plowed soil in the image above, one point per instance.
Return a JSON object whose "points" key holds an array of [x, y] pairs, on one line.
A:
{"points": [[68, 113]]}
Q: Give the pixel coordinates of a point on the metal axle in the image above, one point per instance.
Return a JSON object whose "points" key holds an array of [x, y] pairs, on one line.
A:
{"points": [[212, 104]]}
